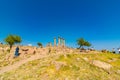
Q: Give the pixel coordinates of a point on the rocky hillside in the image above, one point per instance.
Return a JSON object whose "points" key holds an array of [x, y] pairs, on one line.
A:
{"points": [[60, 64]]}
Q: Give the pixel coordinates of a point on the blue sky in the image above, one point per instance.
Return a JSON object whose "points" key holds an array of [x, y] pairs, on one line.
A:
{"points": [[98, 21]]}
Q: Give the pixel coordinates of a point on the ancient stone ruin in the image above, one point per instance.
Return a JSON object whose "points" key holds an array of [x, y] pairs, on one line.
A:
{"points": [[61, 42]]}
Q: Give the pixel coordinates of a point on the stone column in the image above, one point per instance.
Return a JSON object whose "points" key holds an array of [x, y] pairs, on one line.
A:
{"points": [[54, 41], [50, 44], [64, 42], [59, 41]]}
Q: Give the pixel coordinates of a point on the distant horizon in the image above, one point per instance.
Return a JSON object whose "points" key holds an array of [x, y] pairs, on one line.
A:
{"points": [[73, 45], [40, 21]]}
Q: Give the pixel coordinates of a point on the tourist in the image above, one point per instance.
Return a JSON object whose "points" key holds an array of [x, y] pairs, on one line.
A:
{"points": [[17, 51], [119, 50], [113, 51]]}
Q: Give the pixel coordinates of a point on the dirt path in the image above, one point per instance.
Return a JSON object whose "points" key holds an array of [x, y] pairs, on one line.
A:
{"points": [[18, 64]]}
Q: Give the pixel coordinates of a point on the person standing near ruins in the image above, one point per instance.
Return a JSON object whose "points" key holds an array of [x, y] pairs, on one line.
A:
{"points": [[16, 51]]}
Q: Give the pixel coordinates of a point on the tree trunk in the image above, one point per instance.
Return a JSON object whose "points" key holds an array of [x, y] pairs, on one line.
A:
{"points": [[10, 47], [80, 47]]}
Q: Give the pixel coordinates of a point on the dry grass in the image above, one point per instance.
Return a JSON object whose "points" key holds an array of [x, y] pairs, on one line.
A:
{"points": [[66, 67]]}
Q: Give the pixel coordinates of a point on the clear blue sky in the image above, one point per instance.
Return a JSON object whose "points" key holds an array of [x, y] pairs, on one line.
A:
{"points": [[98, 21]]}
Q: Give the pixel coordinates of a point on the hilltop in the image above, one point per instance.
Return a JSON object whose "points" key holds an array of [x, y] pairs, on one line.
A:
{"points": [[58, 63]]}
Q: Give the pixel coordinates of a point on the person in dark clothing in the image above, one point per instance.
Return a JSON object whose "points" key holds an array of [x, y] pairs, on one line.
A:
{"points": [[113, 51], [17, 51]]}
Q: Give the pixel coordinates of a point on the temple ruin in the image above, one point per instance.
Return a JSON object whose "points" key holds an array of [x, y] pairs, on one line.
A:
{"points": [[58, 42], [61, 42]]}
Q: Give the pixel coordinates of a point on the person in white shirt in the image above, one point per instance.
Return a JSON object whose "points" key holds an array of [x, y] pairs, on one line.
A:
{"points": [[119, 50]]}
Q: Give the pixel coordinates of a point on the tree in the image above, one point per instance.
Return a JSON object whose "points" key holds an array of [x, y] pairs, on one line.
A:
{"points": [[82, 42], [39, 44], [87, 44], [12, 39], [17, 39]]}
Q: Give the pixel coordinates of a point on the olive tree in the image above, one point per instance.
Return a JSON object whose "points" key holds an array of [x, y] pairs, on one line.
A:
{"points": [[39, 44], [82, 42], [12, 39]]}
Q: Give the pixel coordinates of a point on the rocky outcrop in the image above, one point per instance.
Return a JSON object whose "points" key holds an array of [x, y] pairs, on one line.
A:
{"points": [[101, 64]]}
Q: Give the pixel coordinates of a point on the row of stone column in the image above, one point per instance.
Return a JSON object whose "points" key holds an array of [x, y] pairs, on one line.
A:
{"points": [[61, 41]]}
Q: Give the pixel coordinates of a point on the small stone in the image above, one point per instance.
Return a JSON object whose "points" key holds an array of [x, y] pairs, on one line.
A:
{"points": [[1, 78], [78, 59], [86, 59], [70, 66], [118, 71]]}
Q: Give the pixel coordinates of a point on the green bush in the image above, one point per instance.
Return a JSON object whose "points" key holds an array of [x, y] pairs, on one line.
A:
{"points": [[8, 50]]}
